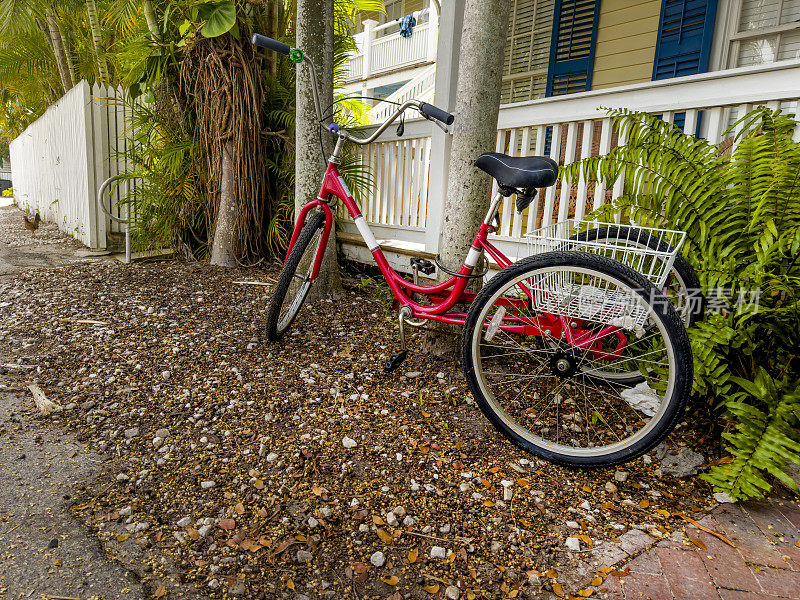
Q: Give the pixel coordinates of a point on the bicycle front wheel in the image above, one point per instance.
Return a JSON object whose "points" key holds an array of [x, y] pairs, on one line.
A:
{"points": [[295, 280], [536, 329]]}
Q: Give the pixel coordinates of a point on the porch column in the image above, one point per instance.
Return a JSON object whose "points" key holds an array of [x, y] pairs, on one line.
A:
{"points": [[451, 22], [369, 40]]}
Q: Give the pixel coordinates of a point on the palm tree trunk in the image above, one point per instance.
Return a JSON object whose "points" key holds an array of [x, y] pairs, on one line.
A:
{"points": [[152, 20], [222, 248], [97, 40], [314, 31], [480, 73], [58, 50], [65, 36]]}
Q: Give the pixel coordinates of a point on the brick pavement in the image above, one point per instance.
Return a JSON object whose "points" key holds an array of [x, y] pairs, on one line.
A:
{"points": [[765, 565]]}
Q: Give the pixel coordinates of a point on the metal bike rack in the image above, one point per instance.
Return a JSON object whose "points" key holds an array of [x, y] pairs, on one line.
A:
{"points": [[126, 221]]}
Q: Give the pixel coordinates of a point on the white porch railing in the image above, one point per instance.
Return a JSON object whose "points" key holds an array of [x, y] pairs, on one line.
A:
{"points": [[391, 52], [578, 127], [422, 87]]}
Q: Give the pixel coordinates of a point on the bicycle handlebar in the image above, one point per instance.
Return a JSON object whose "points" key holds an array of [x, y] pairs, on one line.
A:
{"points": [[262, 41], [429, 111]]}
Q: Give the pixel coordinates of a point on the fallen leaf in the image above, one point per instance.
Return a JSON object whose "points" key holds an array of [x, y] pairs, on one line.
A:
{"points": [[385, 536], [193, 534], [255, 548], [513, 593], [432, 589], [259, 485], [261, 512], [471, 596], [246, 543], [426, 415], [317, 491], [587, 489], [359, 567], [239, 508], [123, 536], [494, 469], [377, 520], [488, 503], [586, 593], [606, 569], [699, 544], [558, 590], [227, 524], [620, 573], [663, 513], [412, 556], [522, 482], [597, 581], [161, 591], [797, 543], [290, 584], [391, 580], [644, 503], [552, 574]]}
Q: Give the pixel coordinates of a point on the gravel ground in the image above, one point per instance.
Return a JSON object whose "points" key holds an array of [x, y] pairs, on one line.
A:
{"points": [[300, 470]]}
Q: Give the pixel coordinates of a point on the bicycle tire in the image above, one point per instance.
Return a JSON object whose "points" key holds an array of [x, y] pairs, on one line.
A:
{"points": [[666, 319], [278, 320]]}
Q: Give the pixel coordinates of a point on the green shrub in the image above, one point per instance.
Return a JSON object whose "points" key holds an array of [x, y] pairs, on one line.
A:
{"points": [[741, 212]]}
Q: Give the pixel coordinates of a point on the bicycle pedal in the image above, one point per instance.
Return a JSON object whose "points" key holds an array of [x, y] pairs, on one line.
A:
{"points": [[395, 360]]}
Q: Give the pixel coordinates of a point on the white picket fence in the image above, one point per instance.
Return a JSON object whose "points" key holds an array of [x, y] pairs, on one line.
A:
{"points": [[399, 208], [60, 161]]}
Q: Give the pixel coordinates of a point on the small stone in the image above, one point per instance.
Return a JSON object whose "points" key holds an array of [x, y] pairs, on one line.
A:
{"points": [[391, 519], [445, 528], [496, 546], [610, 487], [585, 505], [163, 433], [165, 375], [399, 511], [573, 525], [681, 464], [723, 498], [304, 556], [207, 484], [122, 477], [408, 521], [272, 457], [438, 552], [508, 494], [312, 522], [213, 584], [157, 442], [184, 522], [621, 476], [348, 443], [573, 544], [413, 374], [378, 559], [53, 543], [205, 530], [126, 512], [452, 592]]}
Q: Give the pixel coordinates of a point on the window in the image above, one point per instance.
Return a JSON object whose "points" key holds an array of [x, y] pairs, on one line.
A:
{"points": [[527, 50], [766, 31]]}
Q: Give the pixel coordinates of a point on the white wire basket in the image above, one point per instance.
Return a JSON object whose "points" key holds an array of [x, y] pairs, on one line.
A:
{"points": [[648, 250]]}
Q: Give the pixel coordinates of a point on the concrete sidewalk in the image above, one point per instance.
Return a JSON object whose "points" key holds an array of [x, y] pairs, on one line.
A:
{"points": [[765, 565]]}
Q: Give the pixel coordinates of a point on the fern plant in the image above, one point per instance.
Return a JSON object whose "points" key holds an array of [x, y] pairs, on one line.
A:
{"points": [[740, 207]]}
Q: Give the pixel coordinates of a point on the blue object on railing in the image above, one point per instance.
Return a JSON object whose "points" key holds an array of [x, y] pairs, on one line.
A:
{"points": [[407, 24]]}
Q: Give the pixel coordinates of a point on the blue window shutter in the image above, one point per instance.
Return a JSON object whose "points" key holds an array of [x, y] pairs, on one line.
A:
{"points": [[684, 38], [572, 46]]}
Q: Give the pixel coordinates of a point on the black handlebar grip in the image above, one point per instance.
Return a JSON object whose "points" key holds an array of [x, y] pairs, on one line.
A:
{"points": [[429, 110], [263, 41]]}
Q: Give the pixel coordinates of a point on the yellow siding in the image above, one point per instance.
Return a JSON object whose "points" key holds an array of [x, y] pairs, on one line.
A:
{"points": [[626, 43]]}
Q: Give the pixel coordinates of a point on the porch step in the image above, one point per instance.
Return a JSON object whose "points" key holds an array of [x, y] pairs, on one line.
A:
{"points": [[396, 246]]}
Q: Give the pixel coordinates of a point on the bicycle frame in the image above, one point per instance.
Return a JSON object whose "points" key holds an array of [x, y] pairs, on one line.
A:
{"points": [[444, 296]]}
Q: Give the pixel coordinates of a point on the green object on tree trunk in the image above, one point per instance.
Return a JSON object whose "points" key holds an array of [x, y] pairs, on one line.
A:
{"points": [[296, 55]]}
